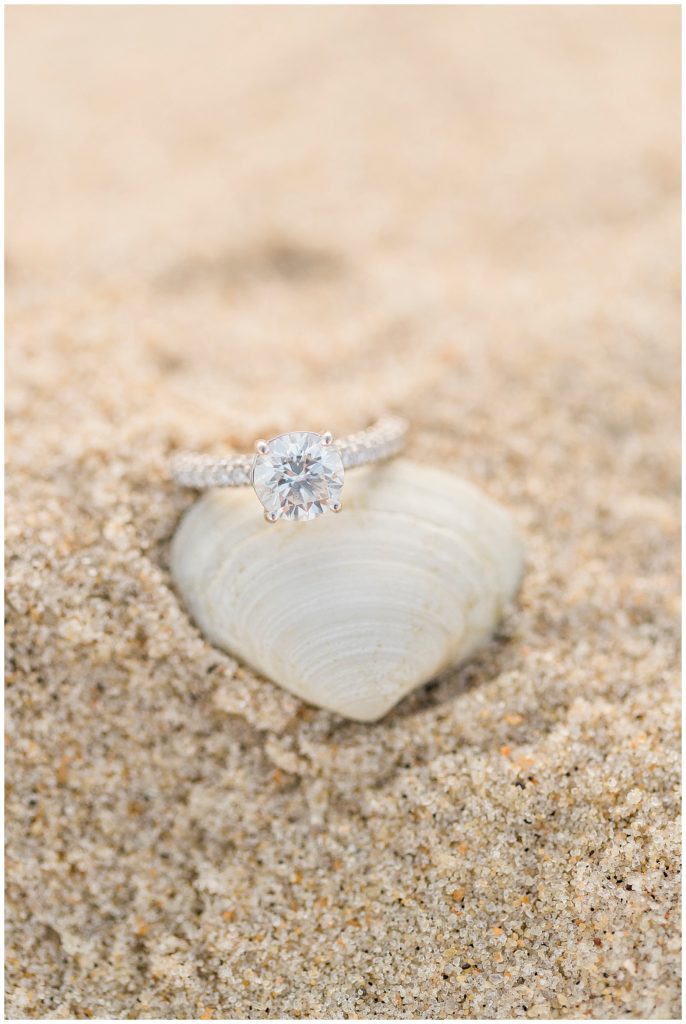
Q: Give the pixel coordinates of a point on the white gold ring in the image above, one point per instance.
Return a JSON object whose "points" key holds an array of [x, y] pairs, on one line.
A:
{"points": [[299, 475]]}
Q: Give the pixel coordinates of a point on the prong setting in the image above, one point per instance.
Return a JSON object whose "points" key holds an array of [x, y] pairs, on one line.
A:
{"points": [[271, 517], [327, 437], [261, 446], [336, 507]]}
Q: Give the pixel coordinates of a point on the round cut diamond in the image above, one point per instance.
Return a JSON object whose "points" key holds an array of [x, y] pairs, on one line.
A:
{"points": [[298, 477]]}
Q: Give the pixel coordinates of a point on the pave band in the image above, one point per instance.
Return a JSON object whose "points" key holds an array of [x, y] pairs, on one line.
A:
{"points": [[382, 440]]}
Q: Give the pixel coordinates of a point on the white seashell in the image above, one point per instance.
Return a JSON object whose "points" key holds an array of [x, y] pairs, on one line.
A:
{"points": [[351, 612]]}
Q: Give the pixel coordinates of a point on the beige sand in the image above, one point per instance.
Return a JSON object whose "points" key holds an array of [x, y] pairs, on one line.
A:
{"points": [[223, 222]]}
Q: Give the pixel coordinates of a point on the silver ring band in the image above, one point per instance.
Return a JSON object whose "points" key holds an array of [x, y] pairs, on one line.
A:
{"points": [[382, 440]]}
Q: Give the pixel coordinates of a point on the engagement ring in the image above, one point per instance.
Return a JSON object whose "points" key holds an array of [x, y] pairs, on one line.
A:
{"points": [[296, 476]]}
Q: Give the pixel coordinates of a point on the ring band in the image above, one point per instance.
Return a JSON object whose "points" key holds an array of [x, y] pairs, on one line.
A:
{"points": [[298, 475]]}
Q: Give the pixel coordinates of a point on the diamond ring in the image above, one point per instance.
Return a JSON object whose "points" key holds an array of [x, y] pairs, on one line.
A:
{"points": [[299, 475]]}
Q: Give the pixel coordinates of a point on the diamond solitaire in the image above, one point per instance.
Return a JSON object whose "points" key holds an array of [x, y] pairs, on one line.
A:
{"points": [[297, 476]]}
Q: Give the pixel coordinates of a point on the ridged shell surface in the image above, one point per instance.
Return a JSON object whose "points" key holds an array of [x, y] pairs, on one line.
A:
{"points": [[352, 611]]}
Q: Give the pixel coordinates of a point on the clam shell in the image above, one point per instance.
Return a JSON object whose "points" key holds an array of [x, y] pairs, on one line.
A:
{"points": [[351, 612]]}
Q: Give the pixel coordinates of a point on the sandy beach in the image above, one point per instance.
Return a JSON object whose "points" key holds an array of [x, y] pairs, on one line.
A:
{"points": [[225, 221]]}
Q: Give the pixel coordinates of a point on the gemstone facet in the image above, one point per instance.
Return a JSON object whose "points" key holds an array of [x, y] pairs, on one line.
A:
{"points": [[298, 477]]}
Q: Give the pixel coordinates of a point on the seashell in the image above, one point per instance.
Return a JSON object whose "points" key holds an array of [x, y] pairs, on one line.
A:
{"points": [[351, 612]]}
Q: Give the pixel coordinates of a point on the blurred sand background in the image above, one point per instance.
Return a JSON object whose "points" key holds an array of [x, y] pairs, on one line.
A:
{"points": [[224, 222]]}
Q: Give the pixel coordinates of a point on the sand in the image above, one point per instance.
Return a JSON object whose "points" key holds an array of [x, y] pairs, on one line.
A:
{"points": [[223, 222]]}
